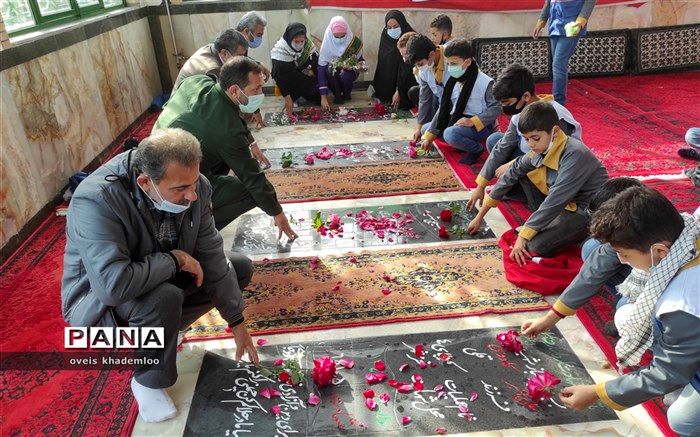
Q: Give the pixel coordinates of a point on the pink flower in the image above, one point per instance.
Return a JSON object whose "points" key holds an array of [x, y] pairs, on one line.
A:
{"points": [[442, 232], [269, 393], [347, 363], [279, 362], [313, 264], [324, 154], [371, 404], [405, 420], [323, 371], [412, 153], [261, 342], [540, 385], [403, 367], [446, 215], [368, 394], [509, 340], [309, 159], [334, 222], [313, 399], [384, 398], [276, 410], [379, 365]]}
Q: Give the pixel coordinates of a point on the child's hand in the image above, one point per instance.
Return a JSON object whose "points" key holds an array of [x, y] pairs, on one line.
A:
{"points": [[578, 397], [534, 327], [474, 226], [519, 252], [500, 171], [464, 121], [476, 197]]}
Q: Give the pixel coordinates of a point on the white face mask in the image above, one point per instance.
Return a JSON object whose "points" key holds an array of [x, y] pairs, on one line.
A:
{"points": [[551, 142], [297, 47], [165, 205], [425, 67], [394, 33]]}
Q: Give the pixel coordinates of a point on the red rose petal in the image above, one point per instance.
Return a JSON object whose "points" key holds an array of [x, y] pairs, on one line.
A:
{"points": [[381, 376], [431, 364], [463, 408], [352, 260], [418, 350], [393, 383], [384, 398], [336, 287], [416, 378], [439, 387], [445, 357], [379, 365], [369, 393], [441, 430], [473, 396], [313, 399], [228, 329], [386, 291], [418, 386], [406, 388], [266, 393], [261, 342], [347, 363], [404, 367], [370, 404], [278, 362], [405, 420], [422, 364], [371, 378], [276, 410]]}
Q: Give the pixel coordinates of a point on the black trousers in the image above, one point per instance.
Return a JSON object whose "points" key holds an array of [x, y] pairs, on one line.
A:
{"points": [[173, 307], [566, 229]]}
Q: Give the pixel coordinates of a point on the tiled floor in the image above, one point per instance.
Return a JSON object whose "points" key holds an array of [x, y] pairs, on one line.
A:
{"points": [[632, 422]]}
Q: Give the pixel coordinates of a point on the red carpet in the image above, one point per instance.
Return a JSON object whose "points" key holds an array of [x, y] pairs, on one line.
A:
{"points": [[65, 402], [682, 193], [593, 316]]}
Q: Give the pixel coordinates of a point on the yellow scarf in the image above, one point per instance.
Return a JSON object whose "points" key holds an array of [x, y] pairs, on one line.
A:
{"points": [[538, 176]]}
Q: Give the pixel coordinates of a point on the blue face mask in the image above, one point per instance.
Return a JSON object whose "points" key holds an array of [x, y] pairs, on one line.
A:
{"points": [[253, 104], [394, 33], [339, 41], [456, 71], [255, 43], [165, 205]]}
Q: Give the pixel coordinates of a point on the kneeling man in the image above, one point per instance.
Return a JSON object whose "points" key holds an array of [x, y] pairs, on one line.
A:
{"points": [[142, 251]]}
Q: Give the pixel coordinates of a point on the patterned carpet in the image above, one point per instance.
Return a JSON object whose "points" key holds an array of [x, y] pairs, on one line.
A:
{"points": [[287, 295], [366, 180]]}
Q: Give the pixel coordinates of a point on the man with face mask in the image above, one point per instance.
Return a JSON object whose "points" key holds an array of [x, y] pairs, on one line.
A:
{"points": [[210, 58], [142, 251], [252, 27], [515, 89], [212, 111]]}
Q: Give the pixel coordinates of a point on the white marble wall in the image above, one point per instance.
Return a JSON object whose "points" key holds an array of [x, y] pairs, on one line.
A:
{"points": [[194, 31], [59, 111]]}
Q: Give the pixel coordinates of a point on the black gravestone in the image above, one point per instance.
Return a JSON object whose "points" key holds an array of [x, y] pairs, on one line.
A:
{"points": [[227, 401], [361, 153], [256, 235]]}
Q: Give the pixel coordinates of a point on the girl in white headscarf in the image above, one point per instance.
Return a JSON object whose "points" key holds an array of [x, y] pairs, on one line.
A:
{"points": [[339, 61], [294, 66]]}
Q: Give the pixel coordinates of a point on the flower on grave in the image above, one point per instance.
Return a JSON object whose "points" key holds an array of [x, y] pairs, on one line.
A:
{"points": [[344, 152], [446, 215], [380, 109], [412, 153], [288, 372], [324, 153], [276, 410], [309, 159], [458, 231], [509, 340], [287, 159], [334, 222], [313, 264], [323, 371], [541, 385], [442, 232]]}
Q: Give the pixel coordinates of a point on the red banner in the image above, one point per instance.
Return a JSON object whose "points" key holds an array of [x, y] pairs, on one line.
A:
{"points": [[458, 5]]}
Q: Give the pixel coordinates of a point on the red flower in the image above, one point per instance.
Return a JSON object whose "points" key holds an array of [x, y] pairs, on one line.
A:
{"points": [[509, 340], [379, 109], [334, 222], [283, 376], [309, 159], [442, 232], [540, 385], [379, 365], [276, 410], [418, 350], [323, 371], [368, 393], [446, 215], [412, 153]]}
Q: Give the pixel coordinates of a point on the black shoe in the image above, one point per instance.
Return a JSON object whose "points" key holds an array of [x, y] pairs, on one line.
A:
{"points": [[689, 153], [471, 158], [610, 329]]}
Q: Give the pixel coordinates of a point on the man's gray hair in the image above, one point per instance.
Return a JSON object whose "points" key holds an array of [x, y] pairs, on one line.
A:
{"points": [[250, 21], [164, 146]]}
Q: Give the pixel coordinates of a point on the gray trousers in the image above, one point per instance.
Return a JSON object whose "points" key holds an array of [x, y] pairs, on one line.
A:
{"points": [[173, 305], [566, 229]]}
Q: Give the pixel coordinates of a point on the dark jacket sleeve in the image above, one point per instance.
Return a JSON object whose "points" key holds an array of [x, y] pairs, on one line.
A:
{"points": [[100, 237], [285, 75], [676, 361], [220, 282]]}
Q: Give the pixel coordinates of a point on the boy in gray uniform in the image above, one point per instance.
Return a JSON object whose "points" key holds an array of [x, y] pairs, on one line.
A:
{"points": [[559, 176], [647, 232]]}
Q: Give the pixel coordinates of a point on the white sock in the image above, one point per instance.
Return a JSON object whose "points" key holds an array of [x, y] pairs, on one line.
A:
{"points": [[154, 403]]}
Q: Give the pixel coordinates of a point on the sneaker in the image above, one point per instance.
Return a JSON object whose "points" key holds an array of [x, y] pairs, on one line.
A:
{"points": [[610, 329], [689, 153]]}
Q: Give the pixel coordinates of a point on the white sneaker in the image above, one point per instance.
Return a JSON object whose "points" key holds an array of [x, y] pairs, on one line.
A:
{"points": [[155, 405]]}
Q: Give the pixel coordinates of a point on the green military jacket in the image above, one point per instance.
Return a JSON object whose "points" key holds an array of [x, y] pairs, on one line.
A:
{"points": [[202, 108]]}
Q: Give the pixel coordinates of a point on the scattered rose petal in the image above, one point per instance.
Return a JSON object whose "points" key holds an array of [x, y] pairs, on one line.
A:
{"points": [[384, 398], [314, 399], [418, 350], [371, 378], [336, 287], [416, 378], [463, 408], [348, 363], [393, 383], [381, 376], [418, 386], [261, 342], [228, 329], [405, 420], [509, 341], [404, 367], [265, 393], [279, 362], [387, 278], [439, 387], [283, 376], [309, 159], [473, 396], [369, 393], [441, 430], [313, 264], [442, 394], [371, 270], [379, 365], [431, 364], [445, 357], [352, 260], [405, 388], [422, 364], [276, 410], [386, 291], [371, 404]]}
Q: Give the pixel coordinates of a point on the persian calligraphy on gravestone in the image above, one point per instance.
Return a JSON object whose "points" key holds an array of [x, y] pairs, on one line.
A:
{"points": [[227, 401]]}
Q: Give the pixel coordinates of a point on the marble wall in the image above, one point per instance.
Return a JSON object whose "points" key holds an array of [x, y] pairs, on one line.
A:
{"points": [[61, 110], [194, 31]]}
